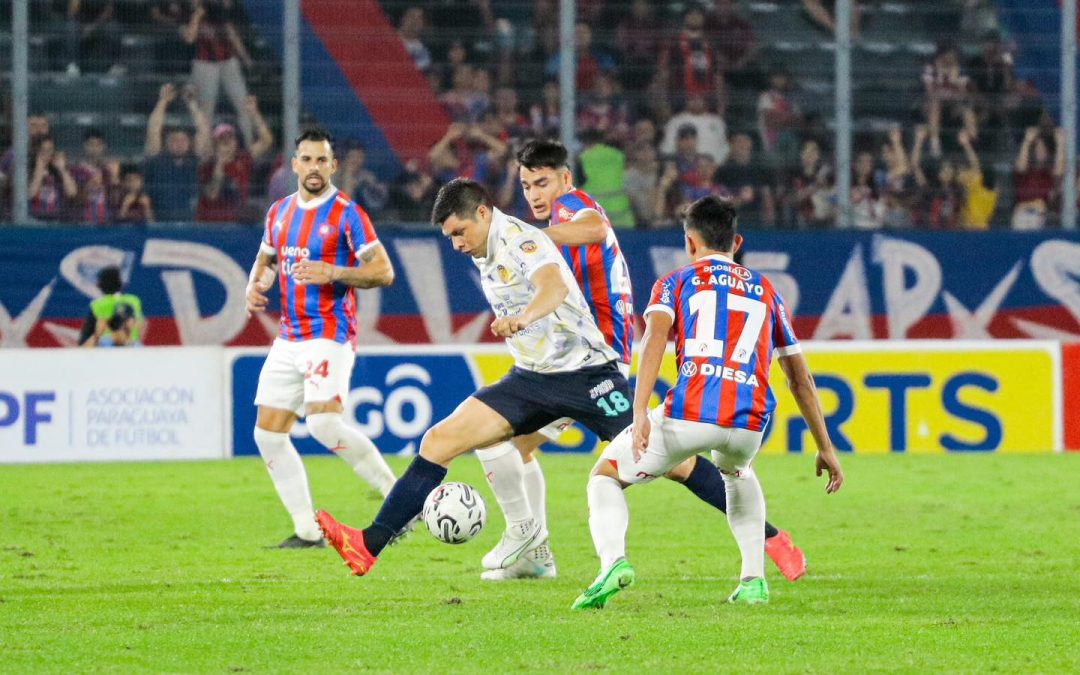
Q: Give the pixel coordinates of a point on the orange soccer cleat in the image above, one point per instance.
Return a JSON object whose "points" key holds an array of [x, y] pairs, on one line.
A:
{"points": [[348, 542], [786, 555]]}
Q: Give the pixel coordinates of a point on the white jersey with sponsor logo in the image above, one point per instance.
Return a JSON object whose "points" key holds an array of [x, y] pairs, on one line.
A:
{"points": [[566, 339]]}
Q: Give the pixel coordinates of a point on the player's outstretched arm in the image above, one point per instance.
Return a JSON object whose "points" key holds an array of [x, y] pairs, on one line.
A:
{"points": [[550, 292], [260, 281], [653, 346], [801, 384], [587, 227], [375, 270]]}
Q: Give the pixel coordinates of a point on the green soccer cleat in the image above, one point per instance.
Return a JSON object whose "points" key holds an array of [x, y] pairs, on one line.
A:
{"points": [[617, 577], [753, 592]]}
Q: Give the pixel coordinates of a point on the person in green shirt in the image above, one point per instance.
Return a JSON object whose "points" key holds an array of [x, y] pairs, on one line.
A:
{"points": [[115, 319]]}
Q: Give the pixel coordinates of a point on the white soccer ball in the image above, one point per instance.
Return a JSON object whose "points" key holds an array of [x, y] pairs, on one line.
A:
{"points": [[454, 513]]}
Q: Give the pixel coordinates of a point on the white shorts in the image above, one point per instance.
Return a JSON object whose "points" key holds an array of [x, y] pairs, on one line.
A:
{"points": [[673, 441], [312, 371], [555, 429]]}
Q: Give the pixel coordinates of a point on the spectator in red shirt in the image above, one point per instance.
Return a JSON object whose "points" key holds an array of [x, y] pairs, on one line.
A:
{"points": [[690, 65], [734, 40], [1035, 180], [98, 178], [224, 179], [51, 186], [219, 52], [604, 112]]}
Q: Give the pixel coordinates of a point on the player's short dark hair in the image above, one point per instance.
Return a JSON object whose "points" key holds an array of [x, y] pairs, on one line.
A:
{"points": [[315, 134], [715, 220], [93, 132], [542, 153], [109, 280], [460, 197]]}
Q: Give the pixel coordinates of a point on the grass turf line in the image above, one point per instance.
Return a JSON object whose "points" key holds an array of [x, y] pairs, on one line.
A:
{"points": [[919, 563]]}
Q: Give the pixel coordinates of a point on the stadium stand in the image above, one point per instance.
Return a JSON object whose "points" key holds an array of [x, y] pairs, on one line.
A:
{"points": [[765, 68]]}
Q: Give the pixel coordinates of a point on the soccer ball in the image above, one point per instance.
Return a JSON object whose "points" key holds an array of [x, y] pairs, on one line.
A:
{"points": [[454, 513]]}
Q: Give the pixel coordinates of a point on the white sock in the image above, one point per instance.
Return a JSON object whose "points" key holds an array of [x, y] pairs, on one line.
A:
{"points": [[536, 490], [503, 469], [290, 480], [354, 447], [746, 517], [608, 519]]}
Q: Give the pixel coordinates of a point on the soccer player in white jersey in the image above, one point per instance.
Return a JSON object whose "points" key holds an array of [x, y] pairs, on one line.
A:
{"points": [[321, 245], [728, 321], [578, 225], [563, 367]]}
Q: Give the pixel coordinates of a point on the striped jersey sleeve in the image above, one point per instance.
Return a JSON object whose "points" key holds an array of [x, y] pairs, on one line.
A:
{"points": [[663, 296], [359, 232], [783, 337]]}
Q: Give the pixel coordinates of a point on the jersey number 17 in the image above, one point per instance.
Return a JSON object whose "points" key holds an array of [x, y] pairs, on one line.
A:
{"points": [[705, 342]]}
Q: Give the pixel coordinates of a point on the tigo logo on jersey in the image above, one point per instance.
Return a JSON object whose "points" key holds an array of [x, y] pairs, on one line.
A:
{"points": [[528, 246]]}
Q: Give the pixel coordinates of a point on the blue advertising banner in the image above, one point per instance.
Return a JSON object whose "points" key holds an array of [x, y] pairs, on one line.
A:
{"points": [[837, 284]]}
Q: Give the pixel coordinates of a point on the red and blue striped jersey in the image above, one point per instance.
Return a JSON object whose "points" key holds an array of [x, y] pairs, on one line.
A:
{"points": [[333, 229], [728, 320], [601, 272]]}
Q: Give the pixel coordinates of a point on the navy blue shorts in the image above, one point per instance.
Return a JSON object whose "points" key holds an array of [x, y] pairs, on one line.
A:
{"points": [[598, 397]]}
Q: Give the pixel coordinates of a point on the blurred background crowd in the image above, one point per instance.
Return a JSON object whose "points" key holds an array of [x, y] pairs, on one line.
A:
{"points": [[147, 111]]}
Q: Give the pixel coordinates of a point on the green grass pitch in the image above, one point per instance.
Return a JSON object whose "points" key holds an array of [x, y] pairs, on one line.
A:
{"points": [[920, 564]]}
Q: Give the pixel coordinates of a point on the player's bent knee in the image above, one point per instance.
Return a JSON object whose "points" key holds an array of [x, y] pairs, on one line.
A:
{"points": [[325, 428], [441, 444]]}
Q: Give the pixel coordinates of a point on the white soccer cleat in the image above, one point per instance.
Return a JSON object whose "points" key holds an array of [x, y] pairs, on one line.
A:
{"points": [[516, 540], [538, 563]]}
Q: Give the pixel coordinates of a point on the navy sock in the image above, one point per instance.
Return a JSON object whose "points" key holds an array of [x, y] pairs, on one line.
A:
{"points": [[707, 484], [405, 501]]}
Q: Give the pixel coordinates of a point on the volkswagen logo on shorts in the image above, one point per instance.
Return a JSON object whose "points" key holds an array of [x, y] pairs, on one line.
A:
{"points": [[742, 273], [689, 369]]}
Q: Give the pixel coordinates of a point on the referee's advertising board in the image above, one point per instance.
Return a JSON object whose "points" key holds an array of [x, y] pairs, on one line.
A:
{"points": [[111, 404]]}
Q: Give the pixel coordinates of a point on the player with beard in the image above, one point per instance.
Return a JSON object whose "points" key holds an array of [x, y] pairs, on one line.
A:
{"points": [[320, 245]]}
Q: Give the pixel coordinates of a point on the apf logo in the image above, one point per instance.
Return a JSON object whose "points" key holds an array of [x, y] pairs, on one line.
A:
{"points": [[29, 411], [688, 369]]}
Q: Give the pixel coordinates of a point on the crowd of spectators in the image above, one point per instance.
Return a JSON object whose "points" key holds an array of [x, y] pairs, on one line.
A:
{"points": [[675, 101]]}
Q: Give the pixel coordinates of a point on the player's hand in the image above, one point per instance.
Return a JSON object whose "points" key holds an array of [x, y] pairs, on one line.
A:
{"points": [[255, 298], [313, 272], [829, 462], [639, 435], [508, 325]]}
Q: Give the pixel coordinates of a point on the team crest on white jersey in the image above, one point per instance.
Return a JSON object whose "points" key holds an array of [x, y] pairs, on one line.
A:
{"points": [[528, 246], [504, 274]]}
